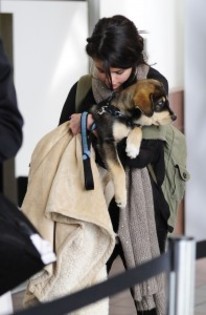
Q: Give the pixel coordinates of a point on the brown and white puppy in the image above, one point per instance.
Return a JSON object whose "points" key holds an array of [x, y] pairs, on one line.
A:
{"points": [[144, 103]]}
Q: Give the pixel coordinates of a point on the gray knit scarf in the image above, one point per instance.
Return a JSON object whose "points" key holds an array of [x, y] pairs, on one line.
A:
{"points": [[137, 228], [138, 237]]}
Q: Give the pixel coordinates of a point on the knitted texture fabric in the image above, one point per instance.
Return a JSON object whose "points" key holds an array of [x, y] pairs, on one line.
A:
{"points": [[138, 236]]}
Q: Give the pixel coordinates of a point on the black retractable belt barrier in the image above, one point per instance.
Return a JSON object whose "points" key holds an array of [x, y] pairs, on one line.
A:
{"points": [[104, 289]]}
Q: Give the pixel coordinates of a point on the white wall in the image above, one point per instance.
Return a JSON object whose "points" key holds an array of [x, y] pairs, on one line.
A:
{"points": [[49, 41], [195, 113]]}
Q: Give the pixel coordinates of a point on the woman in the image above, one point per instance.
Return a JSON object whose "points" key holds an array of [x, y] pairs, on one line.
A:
{"points": [[117, 53]]}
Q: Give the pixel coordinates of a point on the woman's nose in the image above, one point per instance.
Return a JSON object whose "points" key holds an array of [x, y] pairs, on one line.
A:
{"points": [[114, 79]]}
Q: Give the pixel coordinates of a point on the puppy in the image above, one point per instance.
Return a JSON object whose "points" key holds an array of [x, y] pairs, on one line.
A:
{"points": [[144, 103]]}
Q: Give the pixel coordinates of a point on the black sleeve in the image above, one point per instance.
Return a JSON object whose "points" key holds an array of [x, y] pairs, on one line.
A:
{"points": [[69, 105], [11, 121], [155, 74], [151, 152]]}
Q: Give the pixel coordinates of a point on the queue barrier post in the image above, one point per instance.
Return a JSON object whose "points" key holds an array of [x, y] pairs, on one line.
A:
{"points": [[182, 275]]}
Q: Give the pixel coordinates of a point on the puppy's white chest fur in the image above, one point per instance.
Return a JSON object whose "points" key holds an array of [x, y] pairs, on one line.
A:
{"points": [[120, 131]]}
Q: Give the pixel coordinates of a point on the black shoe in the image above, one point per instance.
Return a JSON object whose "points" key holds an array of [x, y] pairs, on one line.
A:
{"points": [[150, 312]]}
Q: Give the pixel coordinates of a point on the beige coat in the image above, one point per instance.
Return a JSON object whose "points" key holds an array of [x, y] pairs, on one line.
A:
{"points": [[74, 220]]}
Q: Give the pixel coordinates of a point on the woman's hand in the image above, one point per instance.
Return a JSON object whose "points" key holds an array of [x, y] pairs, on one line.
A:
{"points": [[74, 125], [75, 121]]}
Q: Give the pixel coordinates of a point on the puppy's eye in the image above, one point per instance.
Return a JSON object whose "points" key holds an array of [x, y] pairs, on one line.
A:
{"points": [[159, 105]]}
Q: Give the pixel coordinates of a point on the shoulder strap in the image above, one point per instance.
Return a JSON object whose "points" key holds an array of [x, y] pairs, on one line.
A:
{"points": [[83, 86]]}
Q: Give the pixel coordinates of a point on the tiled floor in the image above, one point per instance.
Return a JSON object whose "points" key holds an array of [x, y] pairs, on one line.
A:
{"points": [[122, 303]]}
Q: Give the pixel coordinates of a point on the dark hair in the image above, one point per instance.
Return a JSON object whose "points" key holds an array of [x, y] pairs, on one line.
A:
{"points": [[117, 43]]}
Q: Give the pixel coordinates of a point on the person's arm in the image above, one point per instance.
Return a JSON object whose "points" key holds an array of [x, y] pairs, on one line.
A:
{"points": [[11, 121], [69, 110], [69, 105]]}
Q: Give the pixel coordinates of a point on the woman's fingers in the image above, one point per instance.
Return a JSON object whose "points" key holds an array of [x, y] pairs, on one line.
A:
{"points": [[75, 123]]}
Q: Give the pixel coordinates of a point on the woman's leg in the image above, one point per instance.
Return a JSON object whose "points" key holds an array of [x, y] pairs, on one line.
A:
{"points": [[112, 258], [114, 215]]}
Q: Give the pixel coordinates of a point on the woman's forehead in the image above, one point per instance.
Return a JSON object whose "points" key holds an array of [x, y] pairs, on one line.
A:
{"points": [[99, 65]]}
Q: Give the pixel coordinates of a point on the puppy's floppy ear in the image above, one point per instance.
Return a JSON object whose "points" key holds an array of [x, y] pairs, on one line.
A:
{"points": [[143, 99], [145, 94]]}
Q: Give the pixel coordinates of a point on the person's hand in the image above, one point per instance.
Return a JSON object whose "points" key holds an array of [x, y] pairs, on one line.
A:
{"points": [[75, 121], [74, 125]]}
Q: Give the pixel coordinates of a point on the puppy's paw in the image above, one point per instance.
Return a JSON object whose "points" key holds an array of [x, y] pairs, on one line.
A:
{"points": [[132, 151], [121, 204], [121, 201]]}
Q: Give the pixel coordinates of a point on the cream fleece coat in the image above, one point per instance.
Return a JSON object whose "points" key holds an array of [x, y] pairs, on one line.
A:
{"points": [[74, 220]]}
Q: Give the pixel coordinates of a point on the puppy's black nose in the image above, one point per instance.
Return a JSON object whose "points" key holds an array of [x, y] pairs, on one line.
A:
{"points": [[174, 117]]}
